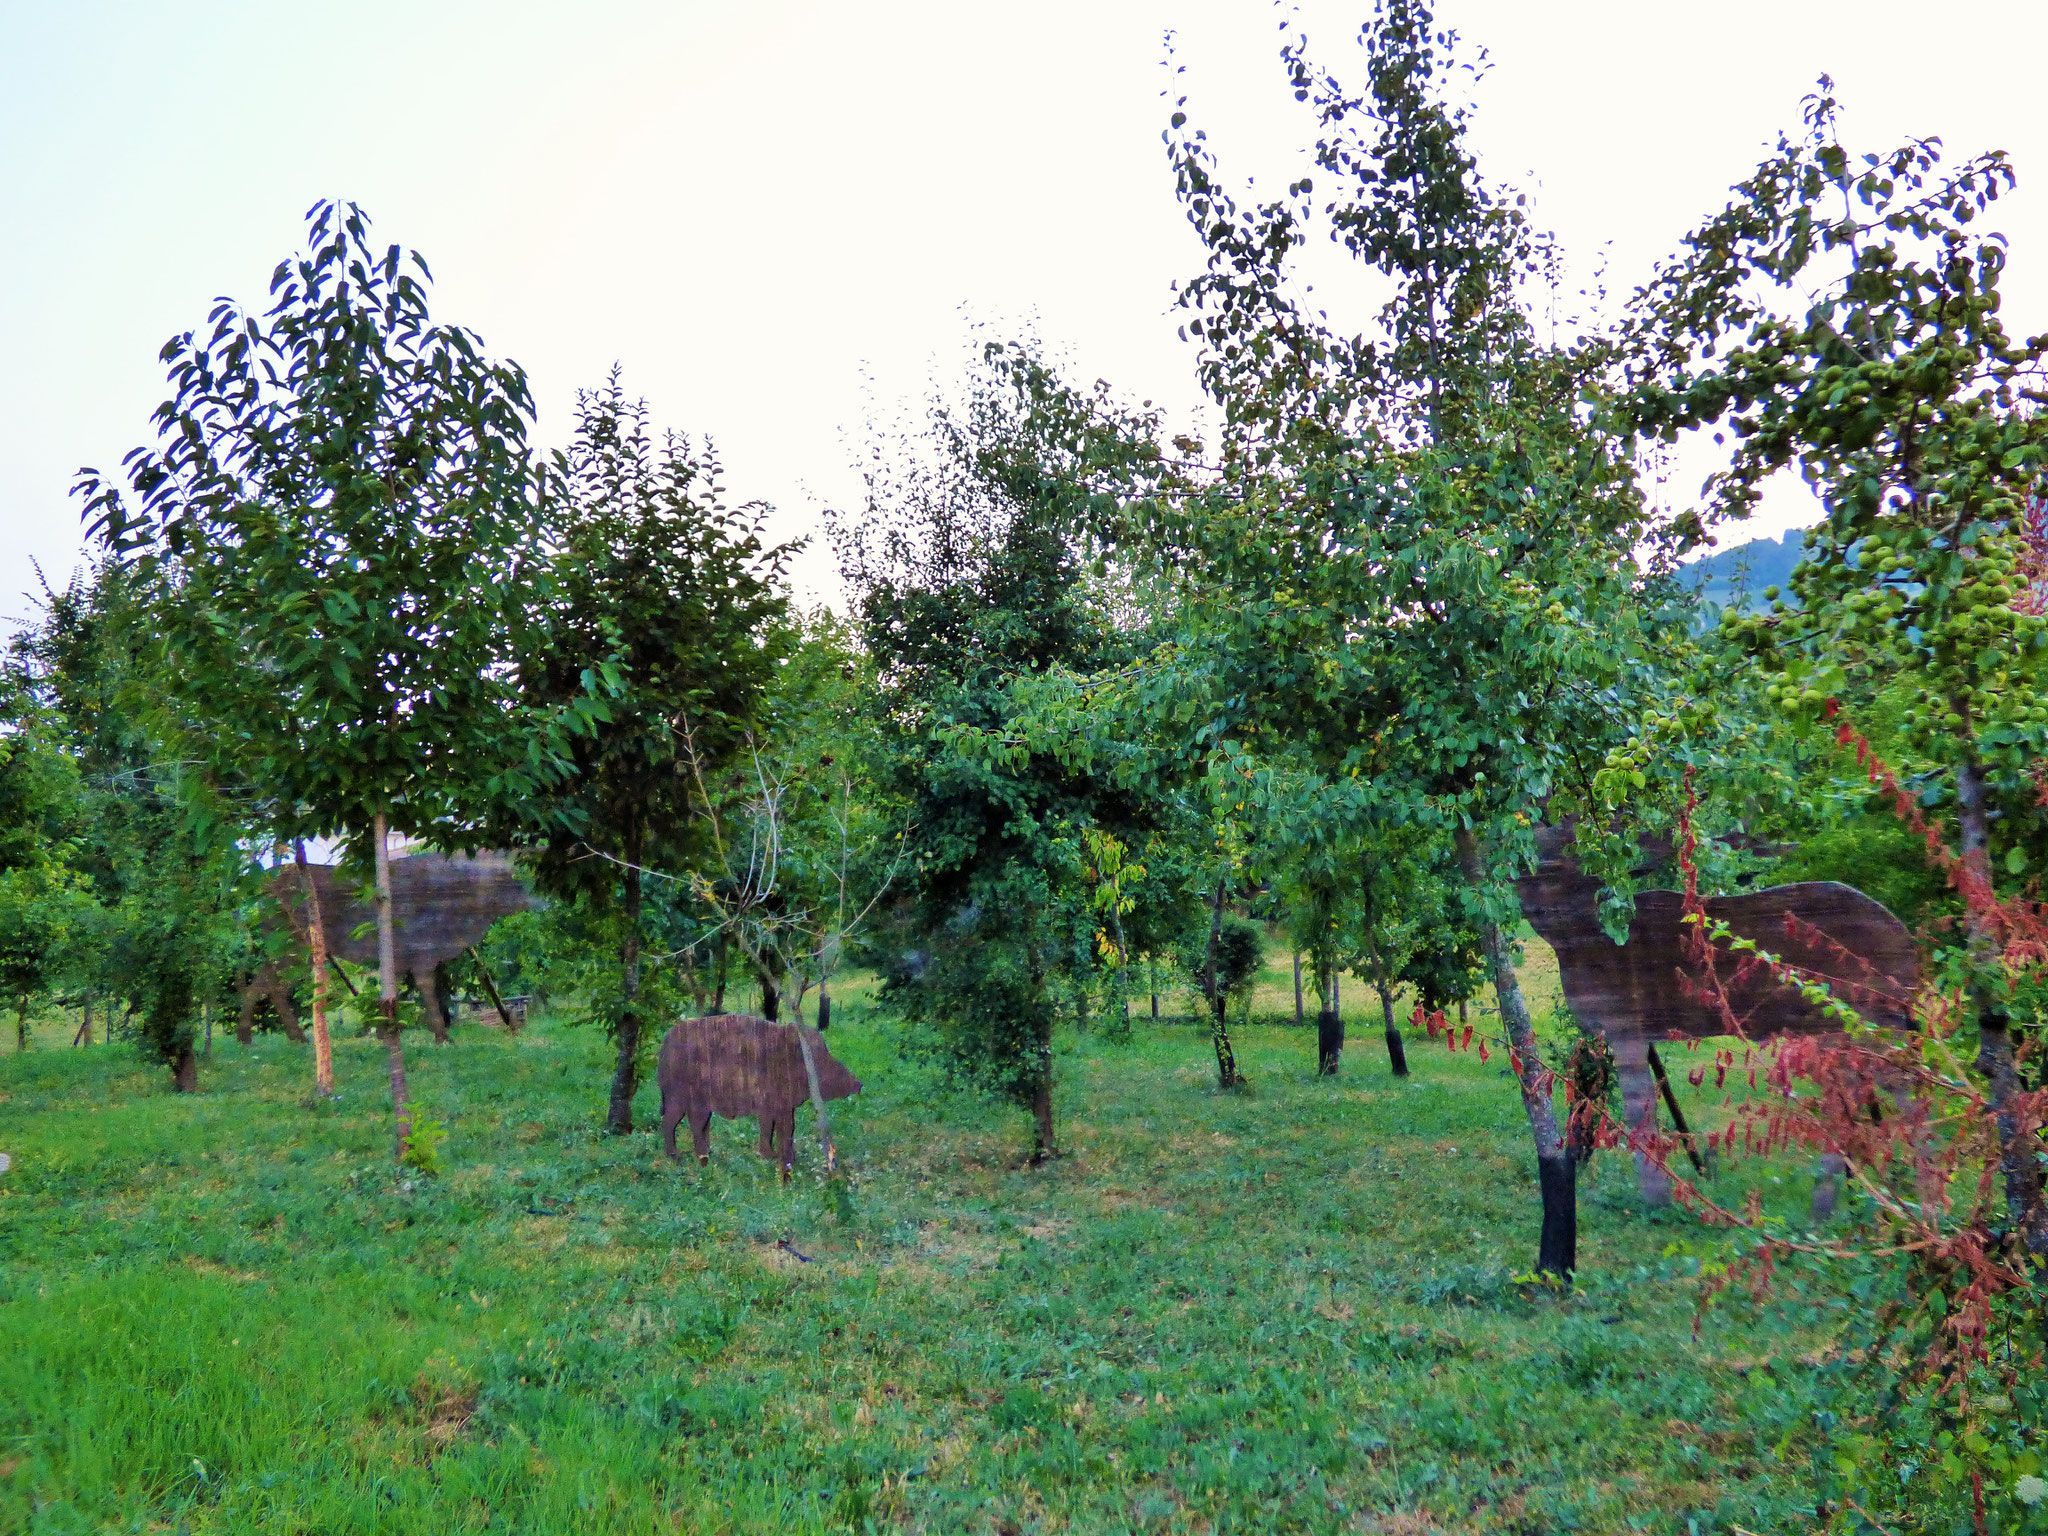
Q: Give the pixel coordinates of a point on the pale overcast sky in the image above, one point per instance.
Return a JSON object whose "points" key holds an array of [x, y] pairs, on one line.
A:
{"points": [[777, 214]]}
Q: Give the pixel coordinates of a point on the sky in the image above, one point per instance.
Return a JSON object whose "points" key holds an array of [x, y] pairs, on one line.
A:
{"points": [[785, 220]]}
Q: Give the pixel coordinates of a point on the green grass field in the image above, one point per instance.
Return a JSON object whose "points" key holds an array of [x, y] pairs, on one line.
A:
{"points": [[1283, 1310]]}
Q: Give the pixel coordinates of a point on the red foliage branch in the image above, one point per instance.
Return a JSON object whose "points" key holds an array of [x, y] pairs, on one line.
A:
{"points": [[1908, 1125]]}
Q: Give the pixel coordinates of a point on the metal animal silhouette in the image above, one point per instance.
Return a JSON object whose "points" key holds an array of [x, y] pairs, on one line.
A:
{"points": [[733, 1064], [441, 904], [1636, 993]]}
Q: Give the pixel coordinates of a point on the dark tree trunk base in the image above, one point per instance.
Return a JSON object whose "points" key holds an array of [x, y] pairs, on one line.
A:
{"points": [[1227, 1075], [625, 1078], [1397, 1050], [185, 1070], [1329, 1042], [1041, 1115], [1557, 1251]]}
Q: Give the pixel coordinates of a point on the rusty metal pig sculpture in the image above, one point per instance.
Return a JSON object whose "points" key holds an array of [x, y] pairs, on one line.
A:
{"points": [[733, 1064]]}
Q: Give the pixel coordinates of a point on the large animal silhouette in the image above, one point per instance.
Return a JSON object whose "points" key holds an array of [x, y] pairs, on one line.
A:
{"points": [[1637, 992], [733, 1064], [441, 904]]}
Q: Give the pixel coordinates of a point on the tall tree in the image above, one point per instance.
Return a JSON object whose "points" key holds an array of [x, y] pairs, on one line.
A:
{"points": [[1410, 558], [663, 628], [968, 572], [145, 908], [41, 898], [330, 529], [1843, 315]]}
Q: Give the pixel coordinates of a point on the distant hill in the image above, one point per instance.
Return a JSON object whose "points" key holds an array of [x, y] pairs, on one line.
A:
{"points": [[1758, 564]]}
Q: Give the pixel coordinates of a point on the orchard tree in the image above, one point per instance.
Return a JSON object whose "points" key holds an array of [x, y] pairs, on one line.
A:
{"points": [[1843, 316], [1409, 561], [968, 571], [144, 909], [662, 628], [330, 532], [41, 899]]}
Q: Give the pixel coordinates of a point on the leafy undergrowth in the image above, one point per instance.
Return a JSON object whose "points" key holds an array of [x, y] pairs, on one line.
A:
{"points": [[1290, 1309]]}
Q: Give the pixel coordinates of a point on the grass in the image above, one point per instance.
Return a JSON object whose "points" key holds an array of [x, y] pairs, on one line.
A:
{"points": [[1290, 1309]]}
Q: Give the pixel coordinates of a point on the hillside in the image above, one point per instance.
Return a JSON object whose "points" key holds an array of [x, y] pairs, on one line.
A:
{"points": [[1747, 567]]}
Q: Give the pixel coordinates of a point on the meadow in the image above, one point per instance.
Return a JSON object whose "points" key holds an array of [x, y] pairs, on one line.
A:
{"points": [[1288, 1309]]}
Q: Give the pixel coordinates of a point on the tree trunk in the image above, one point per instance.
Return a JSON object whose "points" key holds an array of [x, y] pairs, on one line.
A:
{"points": [[1041, 1116], [1153, 964], [1557, 1249], [1041, 1087], [1329, 1042], [84, 1035], [1397, 1052], [1219, 1024], [206, 1019], [724, 955], [2018, 1147], [316, 938], [21, 1025], [1118, 1003], [185, 1069], [1383, 983], [824, 1003], [771, 996], [625, 1075], [387, 988], [1297, 989]]}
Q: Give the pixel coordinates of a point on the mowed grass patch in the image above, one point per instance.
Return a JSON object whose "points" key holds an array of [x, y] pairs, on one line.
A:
{"points": [[1288, 1309]]}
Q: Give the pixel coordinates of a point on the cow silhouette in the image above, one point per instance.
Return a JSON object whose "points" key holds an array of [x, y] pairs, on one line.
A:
{"points": [[733, 1064], [441, 904], [1648, 988]]}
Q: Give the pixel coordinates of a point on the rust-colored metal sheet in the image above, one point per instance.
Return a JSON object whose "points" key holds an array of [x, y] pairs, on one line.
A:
{"points": [[734, 1064]]}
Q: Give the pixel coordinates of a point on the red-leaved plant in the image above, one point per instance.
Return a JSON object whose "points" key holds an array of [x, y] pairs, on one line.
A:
{"points": [[1956, 1326]]}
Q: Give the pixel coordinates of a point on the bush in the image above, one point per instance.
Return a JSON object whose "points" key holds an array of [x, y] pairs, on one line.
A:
{"points": [[1240, 951], [1878, 856]]}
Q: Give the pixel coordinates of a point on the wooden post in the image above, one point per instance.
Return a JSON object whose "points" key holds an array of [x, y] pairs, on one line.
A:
{"points": [[316, 938], [387, 987], [1677, 1114], [484, 972], [803, 1043]]}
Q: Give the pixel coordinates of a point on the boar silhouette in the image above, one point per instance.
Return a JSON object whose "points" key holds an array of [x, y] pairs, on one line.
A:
{"points": [[733, 1064]]}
